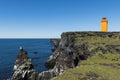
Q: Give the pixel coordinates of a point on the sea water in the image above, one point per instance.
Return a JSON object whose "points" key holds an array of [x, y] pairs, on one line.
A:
{"points": [[38, 50]]}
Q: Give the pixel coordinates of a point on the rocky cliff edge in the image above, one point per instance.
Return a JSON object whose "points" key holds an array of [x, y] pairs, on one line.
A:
{"points": [[68, 52]]}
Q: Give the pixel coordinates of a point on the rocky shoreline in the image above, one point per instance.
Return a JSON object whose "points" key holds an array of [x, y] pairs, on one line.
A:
{"points": [[67, 53], [62, 59]]}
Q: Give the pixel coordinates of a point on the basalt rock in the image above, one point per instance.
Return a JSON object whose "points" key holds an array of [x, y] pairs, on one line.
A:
{"points": [[76, 46], [55, 42], [51, 62], [23, 68], [66, 54]]}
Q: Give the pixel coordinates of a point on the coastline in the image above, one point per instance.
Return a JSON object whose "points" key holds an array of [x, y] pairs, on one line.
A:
{"points": [[72, 48]]}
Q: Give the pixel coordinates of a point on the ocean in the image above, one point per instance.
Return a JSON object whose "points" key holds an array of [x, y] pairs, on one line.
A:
{"points": [[38, 50]]}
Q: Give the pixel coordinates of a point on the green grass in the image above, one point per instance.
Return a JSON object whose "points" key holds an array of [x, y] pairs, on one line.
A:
{"points": [[97, 67], [96, 41]]}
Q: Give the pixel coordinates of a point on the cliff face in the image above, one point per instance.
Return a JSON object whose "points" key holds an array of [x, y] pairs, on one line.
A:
{"points": [[74, 47], [96, 55]]}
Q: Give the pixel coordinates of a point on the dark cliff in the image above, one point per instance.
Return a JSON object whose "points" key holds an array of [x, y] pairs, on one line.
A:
{"points": [[77, 46], [96, 55]]}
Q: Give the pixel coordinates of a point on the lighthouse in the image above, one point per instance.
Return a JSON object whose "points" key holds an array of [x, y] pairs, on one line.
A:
{"points": [[104, 25]]}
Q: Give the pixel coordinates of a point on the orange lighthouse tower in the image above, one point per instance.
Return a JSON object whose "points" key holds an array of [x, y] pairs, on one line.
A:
{"points": [[104, 25]]}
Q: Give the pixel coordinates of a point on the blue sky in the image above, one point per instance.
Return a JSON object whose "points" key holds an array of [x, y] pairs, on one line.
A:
{"points": [[49, 18]]}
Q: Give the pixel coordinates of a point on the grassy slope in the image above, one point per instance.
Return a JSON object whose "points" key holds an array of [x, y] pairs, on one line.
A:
{"points": [[99, 66]]}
